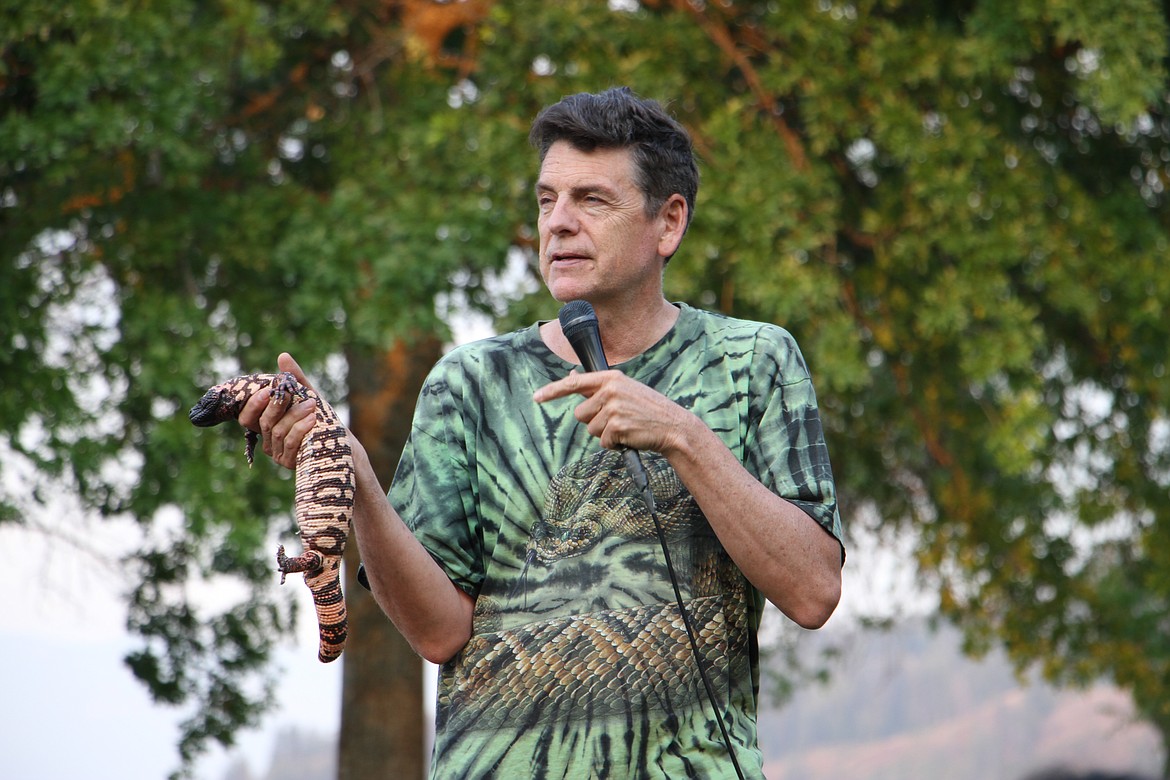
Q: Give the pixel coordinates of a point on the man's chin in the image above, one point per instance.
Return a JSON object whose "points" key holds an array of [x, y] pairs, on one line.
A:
{"points": [[565, 290]]}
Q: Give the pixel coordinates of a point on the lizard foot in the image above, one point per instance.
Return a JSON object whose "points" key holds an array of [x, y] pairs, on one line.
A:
{"points": [[310, 561]]}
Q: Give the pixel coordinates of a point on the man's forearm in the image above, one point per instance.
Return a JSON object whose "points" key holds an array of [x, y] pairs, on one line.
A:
{"points": [[778, 547], [415, 593]]}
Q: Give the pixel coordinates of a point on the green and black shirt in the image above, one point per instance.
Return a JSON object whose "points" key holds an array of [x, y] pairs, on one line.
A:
{"points": [[578, 665]]}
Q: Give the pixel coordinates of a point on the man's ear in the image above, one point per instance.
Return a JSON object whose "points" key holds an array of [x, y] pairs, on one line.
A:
{"points": [[673, 216]]}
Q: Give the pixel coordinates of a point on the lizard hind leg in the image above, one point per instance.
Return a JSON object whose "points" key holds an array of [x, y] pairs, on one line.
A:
{"points": [[251, 438], [309, 562]]}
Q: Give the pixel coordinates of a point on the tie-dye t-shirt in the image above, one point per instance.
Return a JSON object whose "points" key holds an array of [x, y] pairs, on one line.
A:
{"points": [[578, 665]]}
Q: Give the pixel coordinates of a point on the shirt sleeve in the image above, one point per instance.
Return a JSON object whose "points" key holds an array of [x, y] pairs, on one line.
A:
{"points": [[785, 443], [433, 490]]}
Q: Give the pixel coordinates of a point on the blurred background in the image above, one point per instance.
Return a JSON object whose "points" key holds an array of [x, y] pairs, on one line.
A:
{"points": [[958, 210]]}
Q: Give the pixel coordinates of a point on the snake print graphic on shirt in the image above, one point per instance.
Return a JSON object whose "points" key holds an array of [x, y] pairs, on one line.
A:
{"points": [[611, 660]]}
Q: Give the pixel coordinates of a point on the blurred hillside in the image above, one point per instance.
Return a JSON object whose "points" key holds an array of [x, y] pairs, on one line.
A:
{"points": [[298, 755], [907, 704]]}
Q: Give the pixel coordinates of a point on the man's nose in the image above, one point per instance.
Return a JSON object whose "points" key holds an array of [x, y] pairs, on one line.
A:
{"points": [[563, 217]]}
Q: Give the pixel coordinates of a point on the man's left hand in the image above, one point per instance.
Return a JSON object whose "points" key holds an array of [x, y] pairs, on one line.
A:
{"points": [[620, 411]]}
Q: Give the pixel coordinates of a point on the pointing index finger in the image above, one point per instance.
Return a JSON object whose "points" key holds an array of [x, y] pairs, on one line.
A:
{"points": [[574, 383]]}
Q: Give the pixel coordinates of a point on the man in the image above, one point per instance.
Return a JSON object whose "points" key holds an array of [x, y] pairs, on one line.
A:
{"points": [[513, 548]]}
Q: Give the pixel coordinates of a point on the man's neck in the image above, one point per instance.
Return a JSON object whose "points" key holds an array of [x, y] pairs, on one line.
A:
{"points": [[625, 334]]}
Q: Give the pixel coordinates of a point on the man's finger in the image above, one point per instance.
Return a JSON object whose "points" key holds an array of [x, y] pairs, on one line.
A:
{"points": [[575, 382], [286, 362], [249, 416], [284, 439]]}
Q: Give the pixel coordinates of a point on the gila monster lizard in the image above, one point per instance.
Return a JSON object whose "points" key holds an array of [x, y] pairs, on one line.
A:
{"points": [[323, 502]]}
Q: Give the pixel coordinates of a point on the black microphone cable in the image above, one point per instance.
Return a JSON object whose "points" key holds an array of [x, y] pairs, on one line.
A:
{"points": [[648, 498], [579, 324]]}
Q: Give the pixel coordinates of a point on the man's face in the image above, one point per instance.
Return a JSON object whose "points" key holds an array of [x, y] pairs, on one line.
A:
{"points": [[596, 241]]}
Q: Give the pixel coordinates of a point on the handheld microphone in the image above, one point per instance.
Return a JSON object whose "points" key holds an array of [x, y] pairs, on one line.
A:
{"points": [[579, 324]]}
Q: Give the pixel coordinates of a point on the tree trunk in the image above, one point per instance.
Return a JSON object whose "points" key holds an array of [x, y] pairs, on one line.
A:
{"points": [[382, 722]]}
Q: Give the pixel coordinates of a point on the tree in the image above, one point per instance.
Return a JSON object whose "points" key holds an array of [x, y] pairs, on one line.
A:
{"points": [[959, 211], [186, 191], [966, 215]]}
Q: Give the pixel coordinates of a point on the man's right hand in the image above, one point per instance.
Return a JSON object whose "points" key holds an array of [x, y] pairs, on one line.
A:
{"points": [[282, 426]]}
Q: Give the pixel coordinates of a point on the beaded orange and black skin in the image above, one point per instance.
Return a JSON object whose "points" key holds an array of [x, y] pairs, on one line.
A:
{"points": [[323, 502]]}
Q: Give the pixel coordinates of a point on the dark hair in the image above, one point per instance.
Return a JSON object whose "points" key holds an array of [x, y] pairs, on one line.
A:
{"points": [[664, 160]]}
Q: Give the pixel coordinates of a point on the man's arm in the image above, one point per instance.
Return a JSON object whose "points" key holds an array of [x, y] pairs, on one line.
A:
{"points": [[782, 551], [412, 589]]}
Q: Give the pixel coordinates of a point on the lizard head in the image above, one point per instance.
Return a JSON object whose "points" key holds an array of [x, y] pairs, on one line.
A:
{"points": [[216, 405]]}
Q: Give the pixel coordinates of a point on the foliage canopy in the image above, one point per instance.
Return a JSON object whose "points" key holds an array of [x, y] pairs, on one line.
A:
{"points": [[958, 209]]}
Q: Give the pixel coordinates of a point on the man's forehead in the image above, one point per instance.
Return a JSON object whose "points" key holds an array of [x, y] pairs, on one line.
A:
{"points": [[612, 165]]}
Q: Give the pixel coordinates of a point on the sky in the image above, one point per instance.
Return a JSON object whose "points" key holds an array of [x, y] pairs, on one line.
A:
{"points": [[62, 640]]}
